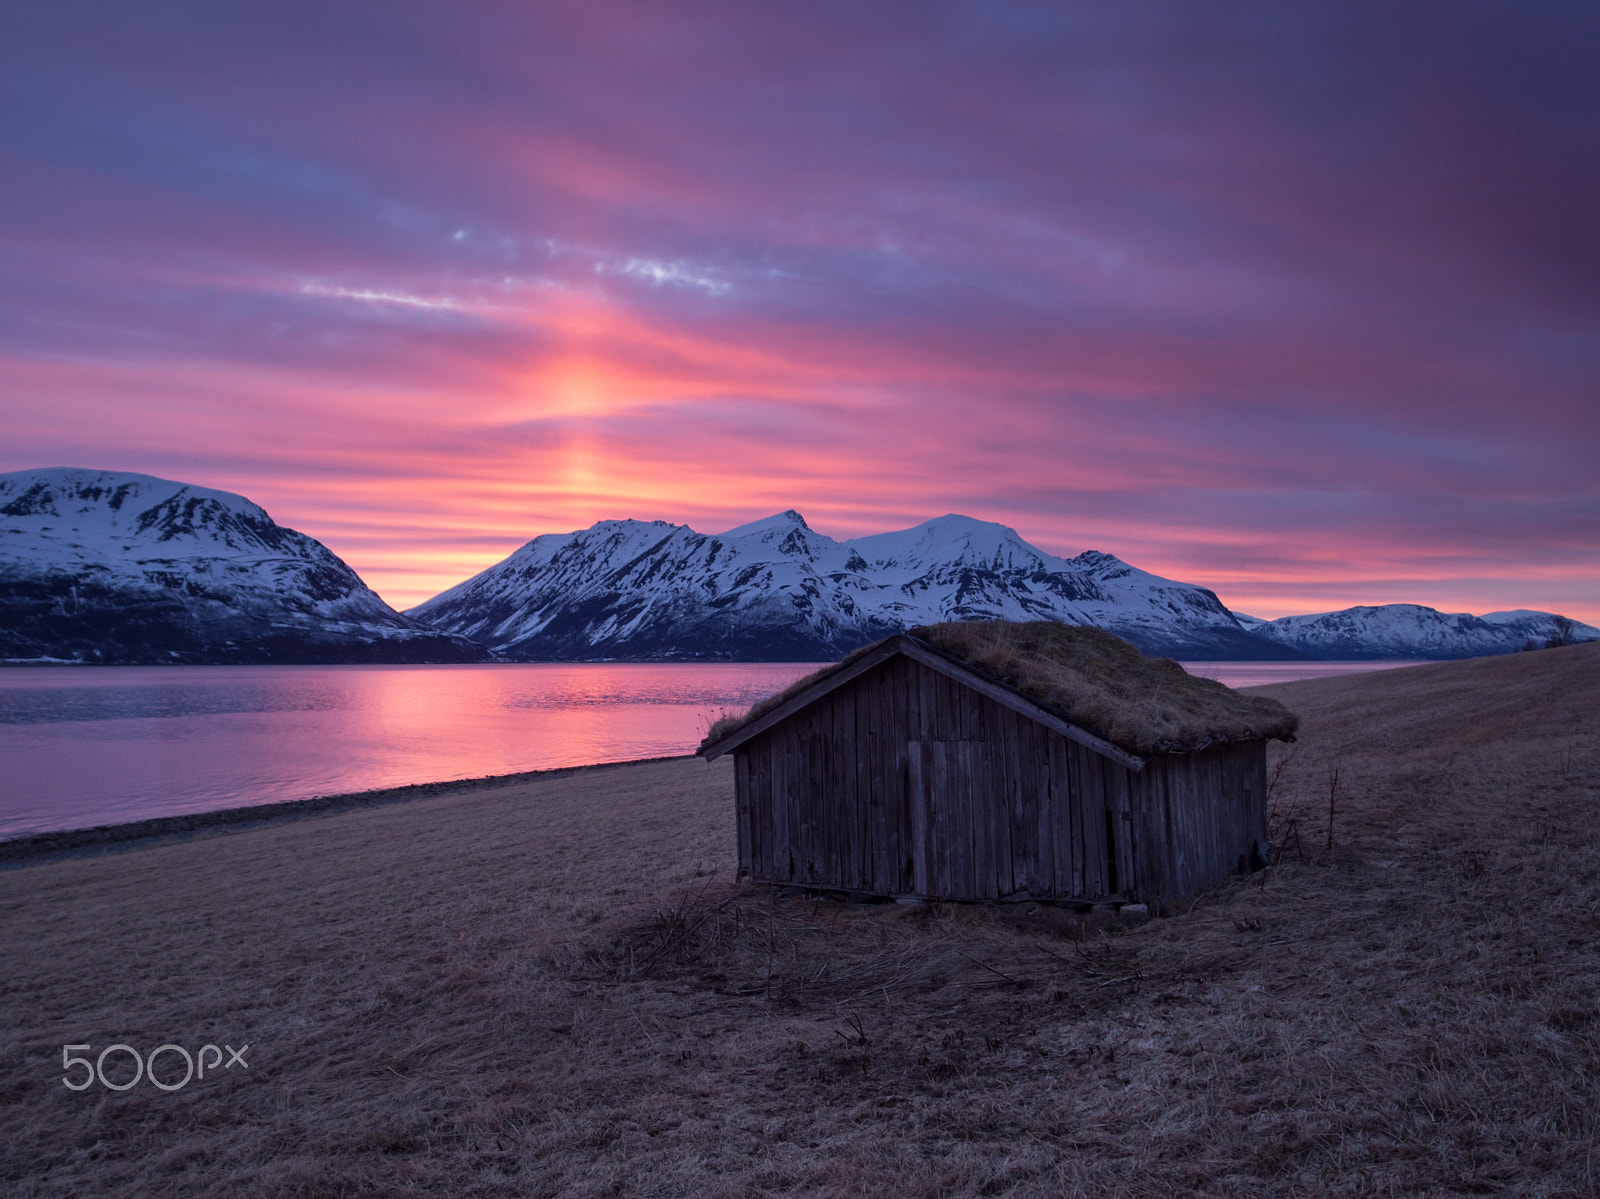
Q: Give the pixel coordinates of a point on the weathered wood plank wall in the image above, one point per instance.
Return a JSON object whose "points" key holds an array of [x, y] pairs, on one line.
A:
{"points": [[906, 782]]}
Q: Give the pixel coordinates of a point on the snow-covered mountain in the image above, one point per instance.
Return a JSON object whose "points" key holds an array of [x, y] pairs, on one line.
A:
{"points": [[776, 589], [104, 566], [1413, 631]]}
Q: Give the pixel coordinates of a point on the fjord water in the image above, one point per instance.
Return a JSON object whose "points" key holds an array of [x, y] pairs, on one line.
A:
{"points": [[85, 746], [1261, 674]]}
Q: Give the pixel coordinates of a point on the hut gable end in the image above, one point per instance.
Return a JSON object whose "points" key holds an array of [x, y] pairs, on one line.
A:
{"points": [[824, 682]]}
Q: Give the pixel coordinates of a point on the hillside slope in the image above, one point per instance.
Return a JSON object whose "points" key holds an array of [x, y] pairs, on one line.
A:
{"points": [[111, 567], [1407, 1007]]}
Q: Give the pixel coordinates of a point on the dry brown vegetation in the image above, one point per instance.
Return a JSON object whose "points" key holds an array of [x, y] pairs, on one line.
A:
{"points": [[556, 988], [1095, 680]]}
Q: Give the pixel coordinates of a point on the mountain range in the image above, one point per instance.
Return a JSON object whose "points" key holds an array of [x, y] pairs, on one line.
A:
{"points": [[1413, 631], [778, 590], [100, 566]]}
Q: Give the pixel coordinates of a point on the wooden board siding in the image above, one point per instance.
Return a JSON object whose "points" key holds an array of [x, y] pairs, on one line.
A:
{"points": [[1205, 813], [903, 781]]}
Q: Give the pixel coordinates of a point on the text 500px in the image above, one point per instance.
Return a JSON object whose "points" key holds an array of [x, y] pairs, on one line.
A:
{"points": [[210, 1057]]}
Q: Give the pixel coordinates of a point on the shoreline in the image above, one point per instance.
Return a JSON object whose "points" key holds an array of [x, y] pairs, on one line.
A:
{"points": [[34, 849]]}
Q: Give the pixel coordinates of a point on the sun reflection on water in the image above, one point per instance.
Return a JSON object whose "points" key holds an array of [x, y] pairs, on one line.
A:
{"points": [[105, 745]]}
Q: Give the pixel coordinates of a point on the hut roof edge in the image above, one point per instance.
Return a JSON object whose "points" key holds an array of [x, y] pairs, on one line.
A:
{"points": [[852, 667]]}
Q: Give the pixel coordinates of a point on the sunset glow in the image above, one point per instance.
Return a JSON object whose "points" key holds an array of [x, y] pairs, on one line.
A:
{"points": [[1298, 304]]}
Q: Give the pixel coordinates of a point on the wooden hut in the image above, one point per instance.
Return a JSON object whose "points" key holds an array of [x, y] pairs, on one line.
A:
{"points": [[992, 760]]}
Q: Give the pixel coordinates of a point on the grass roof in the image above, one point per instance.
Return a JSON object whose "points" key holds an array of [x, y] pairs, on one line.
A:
{"points": [[1089, 677]]}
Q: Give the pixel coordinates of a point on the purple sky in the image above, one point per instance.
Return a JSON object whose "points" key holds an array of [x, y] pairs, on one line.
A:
{"points": [[1298, 301]]}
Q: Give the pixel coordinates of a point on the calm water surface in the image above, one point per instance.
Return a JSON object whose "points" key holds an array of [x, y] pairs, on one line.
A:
{"points": [[100, 745], [1259, 674]]}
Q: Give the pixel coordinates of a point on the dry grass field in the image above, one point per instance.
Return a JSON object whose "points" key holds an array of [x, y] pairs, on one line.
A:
{"points": [[556, 988]]}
